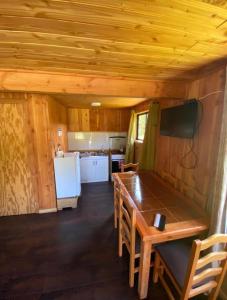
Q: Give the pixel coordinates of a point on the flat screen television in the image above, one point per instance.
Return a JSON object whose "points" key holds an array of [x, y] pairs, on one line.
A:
{"points": [[180, 121]]}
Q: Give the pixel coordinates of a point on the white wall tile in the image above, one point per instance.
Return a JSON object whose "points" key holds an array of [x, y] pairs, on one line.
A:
{"points": [[90, 140]]}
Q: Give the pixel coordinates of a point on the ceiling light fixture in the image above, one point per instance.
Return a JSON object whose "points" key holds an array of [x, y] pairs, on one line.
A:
{"points": [[95, 104]]}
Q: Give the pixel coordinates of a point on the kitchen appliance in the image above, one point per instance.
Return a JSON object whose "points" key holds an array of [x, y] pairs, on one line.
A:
{"points": [[116, 161], [67, 179], [117, 153]]}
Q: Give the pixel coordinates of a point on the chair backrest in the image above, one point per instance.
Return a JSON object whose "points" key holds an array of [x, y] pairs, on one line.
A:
{"points": [[116, 191], [133, 167], [206, 269], [127, 222]]}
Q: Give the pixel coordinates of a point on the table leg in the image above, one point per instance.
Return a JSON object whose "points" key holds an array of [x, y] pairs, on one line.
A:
{"points": [[144, 269]]}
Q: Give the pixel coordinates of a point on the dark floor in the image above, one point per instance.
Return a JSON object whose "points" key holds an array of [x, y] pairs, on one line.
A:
{"points": [[67, 255]]}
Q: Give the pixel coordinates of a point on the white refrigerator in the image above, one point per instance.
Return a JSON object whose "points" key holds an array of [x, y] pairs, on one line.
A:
{"points": [[67, 175]]}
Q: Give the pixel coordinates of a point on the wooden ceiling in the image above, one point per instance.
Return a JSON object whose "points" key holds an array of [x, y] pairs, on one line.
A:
{"points": [[128, 38], [84, 101]]}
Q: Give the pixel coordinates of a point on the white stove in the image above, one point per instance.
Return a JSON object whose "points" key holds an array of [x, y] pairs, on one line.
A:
{"points": [[115, 163], [117, 145], [117, 156]]}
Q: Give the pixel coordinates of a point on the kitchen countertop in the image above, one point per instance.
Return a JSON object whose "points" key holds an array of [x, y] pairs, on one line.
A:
{"points": [[93, 153], [100, 152]]}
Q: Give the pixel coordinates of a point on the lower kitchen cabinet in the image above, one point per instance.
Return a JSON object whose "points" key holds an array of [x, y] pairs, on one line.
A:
{"points": [[94, 169]]}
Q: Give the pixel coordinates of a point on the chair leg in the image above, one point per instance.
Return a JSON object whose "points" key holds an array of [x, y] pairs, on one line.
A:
{"points": [[115, 216], [166, 287], [156, 267], [214, 294], [131, 271], [120, 241]]}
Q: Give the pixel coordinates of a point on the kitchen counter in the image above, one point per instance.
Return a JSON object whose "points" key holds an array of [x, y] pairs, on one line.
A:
{"points": [[93, 153]]}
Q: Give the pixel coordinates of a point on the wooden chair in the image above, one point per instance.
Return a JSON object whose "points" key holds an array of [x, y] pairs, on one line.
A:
{"points": [[116, 203], [133, 167], [191, 269], [127, 234]]}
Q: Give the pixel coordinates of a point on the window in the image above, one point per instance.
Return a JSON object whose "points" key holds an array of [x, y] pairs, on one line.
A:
{"points": [[141, 125]]}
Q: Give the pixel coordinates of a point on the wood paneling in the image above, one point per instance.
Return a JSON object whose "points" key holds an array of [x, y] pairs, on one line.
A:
{"points": [[143, 106], [47, 82], [112, 120], [85, 101], [58, 120], [196, 183], [130, 38], [125, 115], [18, 177], [28, 129], [98, 119], [78, 119], [42, 143]]}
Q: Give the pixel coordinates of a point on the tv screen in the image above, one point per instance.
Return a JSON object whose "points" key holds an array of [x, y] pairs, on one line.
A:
{"points": [[180, 121]]}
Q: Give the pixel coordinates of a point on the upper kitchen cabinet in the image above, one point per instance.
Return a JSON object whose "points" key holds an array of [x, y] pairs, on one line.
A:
{"points": [[124, 119], [98, 119], [78, 119]]}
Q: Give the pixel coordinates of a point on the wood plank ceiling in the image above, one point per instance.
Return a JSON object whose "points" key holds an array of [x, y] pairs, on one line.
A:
{"points": [[142, 39]]}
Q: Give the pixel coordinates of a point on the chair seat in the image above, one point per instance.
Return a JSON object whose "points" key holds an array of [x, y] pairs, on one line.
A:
{"points": [[176, 256]]}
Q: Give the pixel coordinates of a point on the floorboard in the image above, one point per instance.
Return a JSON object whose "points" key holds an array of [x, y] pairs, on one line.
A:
{"points": [[67, 255]]}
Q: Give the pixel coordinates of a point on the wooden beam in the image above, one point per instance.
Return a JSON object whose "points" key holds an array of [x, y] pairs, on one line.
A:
{"points": [[70, 83]]}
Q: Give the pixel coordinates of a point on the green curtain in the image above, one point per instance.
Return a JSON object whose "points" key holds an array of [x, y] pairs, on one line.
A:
{"points": [[147, 158], [129, 155]]}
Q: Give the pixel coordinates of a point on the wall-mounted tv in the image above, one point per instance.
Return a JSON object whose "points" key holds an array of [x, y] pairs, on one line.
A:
{"points": [[180, 121]]}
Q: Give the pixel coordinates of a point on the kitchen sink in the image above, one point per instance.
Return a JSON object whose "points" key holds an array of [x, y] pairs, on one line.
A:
{"points": [[93, 154]]}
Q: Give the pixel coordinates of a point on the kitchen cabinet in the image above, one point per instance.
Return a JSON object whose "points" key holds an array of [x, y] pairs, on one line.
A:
{"points": [[98, 119], [94, 169], [109, 119], [78, 119], [86, 170]]}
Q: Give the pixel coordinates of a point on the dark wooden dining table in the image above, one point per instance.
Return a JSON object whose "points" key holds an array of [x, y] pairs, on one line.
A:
{"points": [[149, 194]]}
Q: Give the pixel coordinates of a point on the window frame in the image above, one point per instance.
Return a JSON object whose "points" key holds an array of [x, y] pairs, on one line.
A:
{"points": [[137, 124]]}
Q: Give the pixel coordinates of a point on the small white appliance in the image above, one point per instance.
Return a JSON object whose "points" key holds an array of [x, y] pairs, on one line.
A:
{"points": [[67, 175]]}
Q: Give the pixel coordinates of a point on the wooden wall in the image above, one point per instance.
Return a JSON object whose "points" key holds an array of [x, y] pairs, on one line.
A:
{"points": [[99, 119], [42, 142], [143, 106], [28, 130], [58, 120], [18, 176], [195, 183], [170, 152]]}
